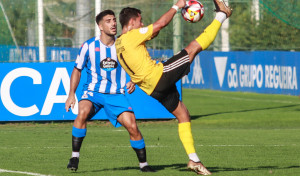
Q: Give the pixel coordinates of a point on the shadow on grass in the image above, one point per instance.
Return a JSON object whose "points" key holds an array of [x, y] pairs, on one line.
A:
{"points": [[182, 168], [246, 110], [270, 168]]}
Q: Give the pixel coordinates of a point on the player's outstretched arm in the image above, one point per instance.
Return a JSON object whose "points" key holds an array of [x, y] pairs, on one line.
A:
{"points": [[75, 78], [166, 18]]}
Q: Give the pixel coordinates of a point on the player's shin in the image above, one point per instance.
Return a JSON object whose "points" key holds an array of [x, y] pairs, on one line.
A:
{"points": [[77, 138], [211, 31], [140, 150], [186, 137]]}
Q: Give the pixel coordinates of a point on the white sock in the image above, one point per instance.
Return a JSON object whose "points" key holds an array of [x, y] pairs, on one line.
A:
{"points": [[194, 157], [220, 16], [75, 154], [143, 164]]}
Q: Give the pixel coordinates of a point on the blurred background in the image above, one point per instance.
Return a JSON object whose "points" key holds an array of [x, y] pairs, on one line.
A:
{"points": [[54, 30]]}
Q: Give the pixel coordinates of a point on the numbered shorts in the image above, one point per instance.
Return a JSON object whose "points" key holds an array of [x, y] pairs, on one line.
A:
{"points": [[174, 69], [113, 104]]}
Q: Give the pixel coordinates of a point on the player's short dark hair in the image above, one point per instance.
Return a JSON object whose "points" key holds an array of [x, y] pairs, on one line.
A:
{"points": [[102, 14], [127, 13]]}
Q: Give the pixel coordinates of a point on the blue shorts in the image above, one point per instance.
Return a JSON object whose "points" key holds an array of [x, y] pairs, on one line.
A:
{"points": [[113, 104]]}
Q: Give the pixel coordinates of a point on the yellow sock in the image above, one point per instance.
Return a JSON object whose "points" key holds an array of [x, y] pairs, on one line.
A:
{"points": [[209, 34], [186, 137]]}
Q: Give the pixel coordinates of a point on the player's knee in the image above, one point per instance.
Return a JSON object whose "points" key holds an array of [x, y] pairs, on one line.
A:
{"points": [[83, 114], [132, 127], [193, 49]]}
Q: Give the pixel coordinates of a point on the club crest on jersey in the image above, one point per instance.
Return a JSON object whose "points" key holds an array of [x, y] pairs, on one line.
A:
{"points": [[108, 64], [143, 30]]}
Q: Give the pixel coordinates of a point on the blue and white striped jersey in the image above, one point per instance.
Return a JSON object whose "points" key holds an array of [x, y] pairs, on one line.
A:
{"points": [[104, 73]]}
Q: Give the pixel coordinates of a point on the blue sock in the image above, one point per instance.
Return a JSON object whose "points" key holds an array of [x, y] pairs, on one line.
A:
{"points": [[140, 150], [138, 144], [76, 132]]}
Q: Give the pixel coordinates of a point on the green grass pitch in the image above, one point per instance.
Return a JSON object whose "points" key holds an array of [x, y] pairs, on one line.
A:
{"points": [[235, 134]]}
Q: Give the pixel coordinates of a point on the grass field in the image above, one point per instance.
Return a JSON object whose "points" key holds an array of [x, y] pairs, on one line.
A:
{"points": [[235, 134]]}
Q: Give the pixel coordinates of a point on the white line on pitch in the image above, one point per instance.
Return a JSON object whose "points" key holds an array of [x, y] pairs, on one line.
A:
{"points": [[247, 99], [154, 146], [275, 145], [20, 172]]}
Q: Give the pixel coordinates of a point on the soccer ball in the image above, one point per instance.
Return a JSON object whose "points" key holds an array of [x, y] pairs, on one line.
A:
{"points": [[193, 11]]}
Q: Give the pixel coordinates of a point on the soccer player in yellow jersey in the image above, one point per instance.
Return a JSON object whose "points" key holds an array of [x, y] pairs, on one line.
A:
{"points": [[158, 79]]}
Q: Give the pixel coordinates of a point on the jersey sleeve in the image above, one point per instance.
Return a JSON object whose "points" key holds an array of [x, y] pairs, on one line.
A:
{"points": [[141, 35], [82, 57]]}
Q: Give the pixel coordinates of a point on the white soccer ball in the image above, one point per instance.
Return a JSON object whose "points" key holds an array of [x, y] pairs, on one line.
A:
{"points": [[193, 11]]}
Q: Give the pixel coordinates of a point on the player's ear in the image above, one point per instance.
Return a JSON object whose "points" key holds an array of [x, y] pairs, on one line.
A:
{"points": [[131, 22], [129, 26], [100, 26]]}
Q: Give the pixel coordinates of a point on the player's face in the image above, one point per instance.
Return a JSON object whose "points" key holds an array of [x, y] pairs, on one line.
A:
{"points": [[108, 25], [138, 22]]}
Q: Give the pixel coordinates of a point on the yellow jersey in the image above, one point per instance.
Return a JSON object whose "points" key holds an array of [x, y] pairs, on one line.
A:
{"points": [[135, 59]]}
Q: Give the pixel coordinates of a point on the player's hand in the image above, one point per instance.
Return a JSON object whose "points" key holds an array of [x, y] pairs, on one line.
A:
{"points": [[130, 87], [70, 102], [181, 3]]}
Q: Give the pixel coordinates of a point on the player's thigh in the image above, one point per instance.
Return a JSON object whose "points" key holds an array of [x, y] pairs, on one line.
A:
{"points": [[193, 49], [174, 69], [85, 109], [115, 105], [169, 98], [127, 119], [181, 113]]}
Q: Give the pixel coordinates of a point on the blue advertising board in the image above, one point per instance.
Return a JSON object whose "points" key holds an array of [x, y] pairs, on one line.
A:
{"points": [[38, 91], [272, 72]]}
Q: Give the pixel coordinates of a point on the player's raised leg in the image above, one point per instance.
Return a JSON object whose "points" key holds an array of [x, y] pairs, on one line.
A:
{"points": [[204, 40], [200, 43], [79, 132], [127, 119]]}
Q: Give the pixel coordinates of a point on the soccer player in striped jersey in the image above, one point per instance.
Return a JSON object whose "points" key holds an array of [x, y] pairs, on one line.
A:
{"points": [[104, 88], [158, 79]]}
